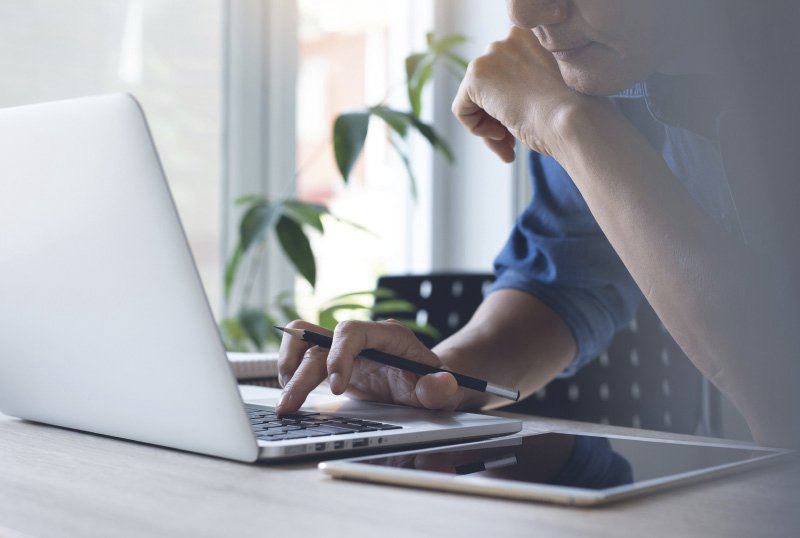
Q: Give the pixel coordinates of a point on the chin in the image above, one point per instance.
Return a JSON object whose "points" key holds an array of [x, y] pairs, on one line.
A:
{"points": [[598, 74], [595, 81]]}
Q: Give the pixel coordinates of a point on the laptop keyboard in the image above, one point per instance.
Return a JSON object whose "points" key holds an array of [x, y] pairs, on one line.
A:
{"points": [[303, 424]]}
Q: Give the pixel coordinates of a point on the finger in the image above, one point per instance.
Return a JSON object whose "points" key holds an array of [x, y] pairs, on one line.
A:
{"points": [[439, 391], [292, 350], [352, 337], [482, 124], [311, 372], [503, 148]]}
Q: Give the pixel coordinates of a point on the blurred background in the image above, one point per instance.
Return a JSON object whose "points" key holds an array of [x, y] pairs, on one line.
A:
{"points": [[241, 96]]}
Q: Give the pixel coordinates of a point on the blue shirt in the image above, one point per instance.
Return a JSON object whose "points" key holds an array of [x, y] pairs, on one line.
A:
{"points": [[557, 251]]}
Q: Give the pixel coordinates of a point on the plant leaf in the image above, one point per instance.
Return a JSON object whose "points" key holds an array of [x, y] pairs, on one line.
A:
{"points": [[377, 293], [344, 306], [255, 324], [305, 213], [412, 64], [424, 74], [355, 225], [393, 306], [426, 329], [327, 320], [255, 224], [395, 119], [443, 45], [272, 335], [460, 61], [231, 267], [349, 134], [286, 305], [419, 68], [234, 335], [433, 138], [407, 163], [248, 199], [295, 245]]}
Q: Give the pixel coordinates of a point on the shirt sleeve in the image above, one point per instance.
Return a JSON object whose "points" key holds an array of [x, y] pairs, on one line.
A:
{"points": [[558, 253]]}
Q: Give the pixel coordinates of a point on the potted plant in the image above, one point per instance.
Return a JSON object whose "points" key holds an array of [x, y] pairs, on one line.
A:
{"points": [[290, 219]]}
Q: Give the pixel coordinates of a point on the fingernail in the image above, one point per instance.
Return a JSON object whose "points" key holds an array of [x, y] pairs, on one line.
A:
{"points": [[335, 382]]}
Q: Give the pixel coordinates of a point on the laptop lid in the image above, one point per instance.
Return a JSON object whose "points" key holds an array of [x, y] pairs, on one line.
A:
{"points": [[105, 325]]}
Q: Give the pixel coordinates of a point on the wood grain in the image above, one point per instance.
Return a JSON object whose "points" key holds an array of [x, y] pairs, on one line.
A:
{"points": [[56, 482]]}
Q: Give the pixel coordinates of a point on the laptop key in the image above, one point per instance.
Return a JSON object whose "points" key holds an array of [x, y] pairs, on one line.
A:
{"points": [[288, 428], [352, 427], [328, 430]]}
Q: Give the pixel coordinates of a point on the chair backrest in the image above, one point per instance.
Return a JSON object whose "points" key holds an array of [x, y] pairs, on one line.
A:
{"points": [[446, 301], [642, 380]]}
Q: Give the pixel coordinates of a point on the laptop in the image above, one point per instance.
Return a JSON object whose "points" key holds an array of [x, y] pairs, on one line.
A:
{"points": [[105, 324]]}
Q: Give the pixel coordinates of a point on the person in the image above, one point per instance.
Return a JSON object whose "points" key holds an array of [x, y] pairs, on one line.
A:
{"points": [[661, 152]]}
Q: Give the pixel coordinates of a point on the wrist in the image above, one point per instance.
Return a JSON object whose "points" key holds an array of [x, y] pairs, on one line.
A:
{"points": [[577, 121]]}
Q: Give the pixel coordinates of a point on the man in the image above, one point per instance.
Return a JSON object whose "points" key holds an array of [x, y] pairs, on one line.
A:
{"points": [[645, 191]]}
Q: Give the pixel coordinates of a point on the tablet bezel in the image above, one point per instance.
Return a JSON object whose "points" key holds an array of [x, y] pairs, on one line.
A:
{"points": [[352, 468]]}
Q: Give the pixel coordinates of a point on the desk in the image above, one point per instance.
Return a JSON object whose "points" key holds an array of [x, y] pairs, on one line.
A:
{"points": [[56, 482]]}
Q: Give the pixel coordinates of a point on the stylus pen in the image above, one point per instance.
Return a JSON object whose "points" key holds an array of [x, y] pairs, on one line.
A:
{"points": [[408, 365]]}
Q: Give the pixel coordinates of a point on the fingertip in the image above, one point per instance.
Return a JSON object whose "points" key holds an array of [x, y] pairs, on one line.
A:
{"points": [[504, 150], [336, 382], [284, 405]]}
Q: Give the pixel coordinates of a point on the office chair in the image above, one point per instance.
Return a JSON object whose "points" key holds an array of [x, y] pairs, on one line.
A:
{"points": [[643, 379]]}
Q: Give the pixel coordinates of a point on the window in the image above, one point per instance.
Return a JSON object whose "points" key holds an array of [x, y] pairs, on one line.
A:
{"points": [[240, 95], [351, 55], [167, 54]]}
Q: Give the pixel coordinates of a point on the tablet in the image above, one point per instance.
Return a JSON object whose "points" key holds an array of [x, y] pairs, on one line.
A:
{"points": [[579, 470]]}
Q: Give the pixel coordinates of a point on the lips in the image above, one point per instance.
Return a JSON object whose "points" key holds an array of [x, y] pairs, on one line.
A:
{"points": [[568, 52]]}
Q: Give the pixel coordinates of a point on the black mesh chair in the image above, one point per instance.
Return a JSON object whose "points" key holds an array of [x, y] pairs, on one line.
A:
{"points": [[445, 301], [642, 380]]}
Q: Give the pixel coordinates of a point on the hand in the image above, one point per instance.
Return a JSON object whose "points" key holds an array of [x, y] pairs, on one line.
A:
{"points": [[515, 90], [302, 366]]}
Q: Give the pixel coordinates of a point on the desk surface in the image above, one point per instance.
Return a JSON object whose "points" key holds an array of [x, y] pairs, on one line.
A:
{"points": [[56, 482]]}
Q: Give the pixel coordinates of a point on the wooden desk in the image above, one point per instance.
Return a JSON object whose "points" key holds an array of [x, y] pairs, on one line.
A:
{"points": [[56, 482]]}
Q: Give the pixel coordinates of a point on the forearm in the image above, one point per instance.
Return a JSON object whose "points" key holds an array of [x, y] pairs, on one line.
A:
{"points": [[705, 284], [514, 340]]}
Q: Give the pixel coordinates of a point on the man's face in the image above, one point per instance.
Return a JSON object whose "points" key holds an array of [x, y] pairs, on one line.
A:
{"points": [[601, 46]]}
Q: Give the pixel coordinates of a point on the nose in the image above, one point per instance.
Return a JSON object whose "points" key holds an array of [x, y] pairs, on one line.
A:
{"points": [[533, 13]]}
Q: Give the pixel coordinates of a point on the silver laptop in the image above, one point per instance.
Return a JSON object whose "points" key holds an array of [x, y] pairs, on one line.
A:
{"points": [[104, 324]]}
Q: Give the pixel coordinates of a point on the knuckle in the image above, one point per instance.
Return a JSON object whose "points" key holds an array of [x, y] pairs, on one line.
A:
{"points": [[494, 47], [399, 327], [479, 65], [315, 354], [348, 328]]}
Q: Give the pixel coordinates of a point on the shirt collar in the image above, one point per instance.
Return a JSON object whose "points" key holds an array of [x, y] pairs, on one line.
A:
{"points": [[693, 102]]}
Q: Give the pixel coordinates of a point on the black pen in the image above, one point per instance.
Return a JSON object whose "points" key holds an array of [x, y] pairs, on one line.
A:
{"points": [[408, 365]]}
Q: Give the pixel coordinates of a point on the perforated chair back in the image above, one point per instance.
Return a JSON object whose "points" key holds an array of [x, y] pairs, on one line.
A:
{"points": [[642, 380], [446, 301]]}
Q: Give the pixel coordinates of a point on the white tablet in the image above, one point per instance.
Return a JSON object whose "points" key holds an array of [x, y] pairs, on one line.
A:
{"points": [[556, 467]]}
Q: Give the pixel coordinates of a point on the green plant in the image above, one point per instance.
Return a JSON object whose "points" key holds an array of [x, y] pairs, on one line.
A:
{"points": [[290, 218]]}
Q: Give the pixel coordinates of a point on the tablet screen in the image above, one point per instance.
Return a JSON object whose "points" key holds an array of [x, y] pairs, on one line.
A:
{"points": [[579, 461]]}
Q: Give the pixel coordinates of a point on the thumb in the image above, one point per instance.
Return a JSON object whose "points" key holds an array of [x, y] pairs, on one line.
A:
{"points": [[439, 391]]}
